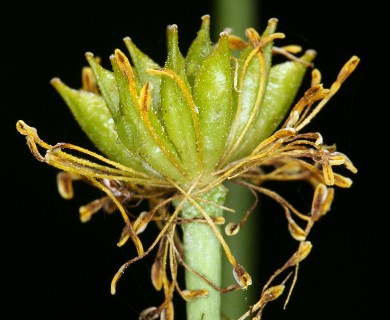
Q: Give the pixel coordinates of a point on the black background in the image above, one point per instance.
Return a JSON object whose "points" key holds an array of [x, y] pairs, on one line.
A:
{"points": [[56, 267]]}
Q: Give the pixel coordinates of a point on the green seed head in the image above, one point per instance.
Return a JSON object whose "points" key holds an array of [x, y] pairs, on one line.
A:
{"points": [[196, 114], [172, 135]]}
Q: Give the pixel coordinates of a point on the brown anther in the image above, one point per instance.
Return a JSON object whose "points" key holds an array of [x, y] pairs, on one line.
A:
{"points": [[241, 276], [157, 273], [232, 229], [272, 293], [64, 185], [301, 254], [236, 43], [296, 231], [141, 222], [293, 48], [125, 235], [190, 295], [89, 209], [167, 312], [321, 202], [88, 81], [150, 313], [315, 77]]}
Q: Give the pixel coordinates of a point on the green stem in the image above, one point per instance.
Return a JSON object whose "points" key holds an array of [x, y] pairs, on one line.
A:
{"points": [[239, 15], [202, 253]]}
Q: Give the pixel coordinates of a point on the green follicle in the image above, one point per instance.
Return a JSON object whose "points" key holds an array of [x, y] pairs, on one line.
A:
{"points": [[175, 60], [267, 49], [175, 134], [158, 153], [190, 113], [199, 49], [177, 107], [254, 63], [142, 63], [108, 88], [283, 84], [93, 116], [214, 98]]}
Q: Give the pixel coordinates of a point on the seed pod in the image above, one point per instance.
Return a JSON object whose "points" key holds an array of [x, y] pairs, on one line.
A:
{"points": [[213, 96], [199, 49], [134, 128], [254, 63], [92, 114], [106, 82], [177, 106], [107, 85], [142, 63], [283, 84], [153, 121]]}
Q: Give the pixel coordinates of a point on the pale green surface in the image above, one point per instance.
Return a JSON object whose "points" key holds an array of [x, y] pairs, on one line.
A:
{"points": [[213, 95], [202, 251], [235, 14], [239, 15]]}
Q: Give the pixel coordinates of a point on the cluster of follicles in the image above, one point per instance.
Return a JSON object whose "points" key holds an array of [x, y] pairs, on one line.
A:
{"points": [[173, 135]]}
